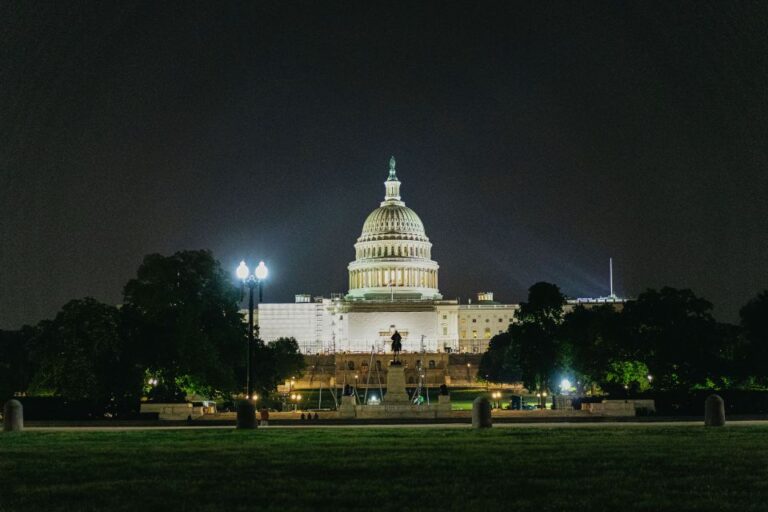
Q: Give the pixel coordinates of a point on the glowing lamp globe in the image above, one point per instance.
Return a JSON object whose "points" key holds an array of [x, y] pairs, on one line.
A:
{"points": [[242, 271], [261, 271]]}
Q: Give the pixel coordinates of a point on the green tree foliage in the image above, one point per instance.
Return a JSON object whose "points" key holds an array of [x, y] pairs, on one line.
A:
{"points": [[669, 334], [754, 326], [630, 375], [16, 364], [495, 366], [534, 346], [82, 355], [275, 362], [594, 340], [182, 312], [674, 334]]}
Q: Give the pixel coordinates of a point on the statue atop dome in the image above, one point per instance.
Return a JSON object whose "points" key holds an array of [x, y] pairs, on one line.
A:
{"points": [[392, 175]]}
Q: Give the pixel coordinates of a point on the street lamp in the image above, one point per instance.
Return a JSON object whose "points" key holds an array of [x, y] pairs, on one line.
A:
{"points": [[252, 281], [295, 398]]}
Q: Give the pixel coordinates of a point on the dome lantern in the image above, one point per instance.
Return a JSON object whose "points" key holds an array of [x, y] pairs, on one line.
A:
{"points": [[392, 185]]}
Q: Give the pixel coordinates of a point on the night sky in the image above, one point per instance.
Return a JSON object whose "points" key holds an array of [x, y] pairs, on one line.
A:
{"points": [[534, 140]]}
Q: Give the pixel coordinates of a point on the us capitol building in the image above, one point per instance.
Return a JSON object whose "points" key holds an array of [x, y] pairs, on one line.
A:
{"points": [[393, 285]]}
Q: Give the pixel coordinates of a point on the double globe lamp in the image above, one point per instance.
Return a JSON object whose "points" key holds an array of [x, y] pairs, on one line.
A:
{"points": [[246, 410]]}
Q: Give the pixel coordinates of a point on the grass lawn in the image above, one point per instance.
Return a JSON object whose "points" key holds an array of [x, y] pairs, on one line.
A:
{"points": [[514, 469]]}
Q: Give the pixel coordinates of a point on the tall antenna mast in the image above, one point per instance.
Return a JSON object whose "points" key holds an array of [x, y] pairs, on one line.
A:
{"points": [[610, 274]]}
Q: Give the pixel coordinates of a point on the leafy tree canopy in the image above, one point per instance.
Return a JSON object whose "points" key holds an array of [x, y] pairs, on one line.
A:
{"points": [[275, 362], [754, 324], [534, 344], [16, 364], [182, 311], [677, 337], [82, 355], [494, 364]]}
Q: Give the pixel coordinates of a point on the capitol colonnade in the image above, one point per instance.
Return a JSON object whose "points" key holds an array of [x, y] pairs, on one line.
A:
{"points": [[393, 277]]}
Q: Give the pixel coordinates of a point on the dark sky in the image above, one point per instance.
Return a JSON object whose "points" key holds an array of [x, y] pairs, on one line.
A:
{"points": [[534, 139]]}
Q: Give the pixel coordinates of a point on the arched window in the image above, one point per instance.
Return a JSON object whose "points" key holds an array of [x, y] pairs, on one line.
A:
{"points": [[431, 363], [378, 365], [411, 380], [418, 363], [350, 365]]}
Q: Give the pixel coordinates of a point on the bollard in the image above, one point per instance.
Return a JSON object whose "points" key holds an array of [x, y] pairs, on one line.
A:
{"points": [[481, 413], [13, 416], [246, 415], [714, 411]]}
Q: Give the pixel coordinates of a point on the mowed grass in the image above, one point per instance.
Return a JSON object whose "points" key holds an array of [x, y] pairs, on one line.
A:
{"points": [[516, 469]]}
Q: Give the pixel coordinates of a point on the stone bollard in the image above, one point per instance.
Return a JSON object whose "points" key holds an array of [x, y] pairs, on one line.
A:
{"points": [[714, 411], [481, 413], [246, 415], [13, 416]]}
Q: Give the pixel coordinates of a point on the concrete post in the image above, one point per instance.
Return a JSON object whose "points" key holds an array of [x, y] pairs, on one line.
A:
{"points": [[481, 413], [246, 415], [714, 411], [13, 416]]}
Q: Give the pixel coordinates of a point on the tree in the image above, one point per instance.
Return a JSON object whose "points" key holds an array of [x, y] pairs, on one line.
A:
{"points": [[275, 362], [494, 365], [754, 325], [182, 311], [590, 334], [534, 345], [16, 364], [82, 355], [673, 332]]}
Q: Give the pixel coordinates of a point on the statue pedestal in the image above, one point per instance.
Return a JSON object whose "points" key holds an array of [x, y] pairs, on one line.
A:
{"points": [[347, 407], [396, 393]]}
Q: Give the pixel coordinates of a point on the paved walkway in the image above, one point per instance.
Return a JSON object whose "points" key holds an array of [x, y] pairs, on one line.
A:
{"points": [[604, 424]]}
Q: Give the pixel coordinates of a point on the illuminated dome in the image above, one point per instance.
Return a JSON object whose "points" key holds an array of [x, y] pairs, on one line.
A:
{"points": [[393, 221], [392, 254]]}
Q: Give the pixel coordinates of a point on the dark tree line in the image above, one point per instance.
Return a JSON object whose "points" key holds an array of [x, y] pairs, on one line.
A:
{"points": [[178, 332], [665, 339]]}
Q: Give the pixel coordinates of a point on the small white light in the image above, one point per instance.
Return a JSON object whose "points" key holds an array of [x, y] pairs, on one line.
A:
{"points": [[242, 271], [261, 271]]}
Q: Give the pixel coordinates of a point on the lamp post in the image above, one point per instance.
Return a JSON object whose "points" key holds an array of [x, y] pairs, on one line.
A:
{"points": [[251, 281], [246, 417]]}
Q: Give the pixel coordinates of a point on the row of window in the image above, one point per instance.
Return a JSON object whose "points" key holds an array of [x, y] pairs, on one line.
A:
{"points": [[393, 250], [486, 334], [487, 320]]}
